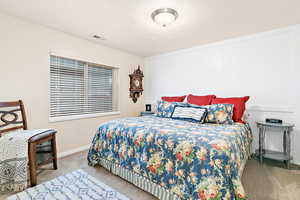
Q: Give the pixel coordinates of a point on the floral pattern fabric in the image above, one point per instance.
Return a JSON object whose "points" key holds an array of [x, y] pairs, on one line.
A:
{"points": [[219, 113], [194, 161], [165, 109]]}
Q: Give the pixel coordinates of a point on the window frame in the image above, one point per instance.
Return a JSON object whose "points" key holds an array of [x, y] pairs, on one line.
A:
{"points": [[89, 115]]}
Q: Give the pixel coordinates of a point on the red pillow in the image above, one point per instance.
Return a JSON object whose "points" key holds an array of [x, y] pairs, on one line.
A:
{"points": [[239, 106], [173, 99], [200, 100]]}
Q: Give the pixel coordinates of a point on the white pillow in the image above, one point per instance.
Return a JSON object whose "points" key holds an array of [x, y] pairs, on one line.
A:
{"points": [[193, 114], [246, 116]]}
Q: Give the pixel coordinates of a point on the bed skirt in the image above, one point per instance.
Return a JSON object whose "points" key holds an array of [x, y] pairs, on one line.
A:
{"points": [[139, 181]]}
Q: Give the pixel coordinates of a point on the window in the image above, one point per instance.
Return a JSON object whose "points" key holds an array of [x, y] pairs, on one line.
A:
{"points": [[81, 89]]}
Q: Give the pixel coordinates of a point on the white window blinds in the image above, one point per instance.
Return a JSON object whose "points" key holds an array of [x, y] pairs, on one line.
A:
{"points": [[79, 88]]}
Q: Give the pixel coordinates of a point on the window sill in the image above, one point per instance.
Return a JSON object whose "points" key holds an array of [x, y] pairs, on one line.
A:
{"points": [[74, 117]]}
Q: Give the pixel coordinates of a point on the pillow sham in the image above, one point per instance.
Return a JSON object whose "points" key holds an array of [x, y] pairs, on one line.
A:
{"points": [[173, 99], [239, 106], [191, 114], [165, 109], [220, 113], [200, 100]]}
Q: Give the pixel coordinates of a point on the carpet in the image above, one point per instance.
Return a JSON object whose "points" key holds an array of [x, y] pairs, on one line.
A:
{"points": [[72, 186]]}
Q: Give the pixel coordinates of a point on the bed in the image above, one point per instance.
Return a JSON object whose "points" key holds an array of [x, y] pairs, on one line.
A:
{"points": [[175, 159]]}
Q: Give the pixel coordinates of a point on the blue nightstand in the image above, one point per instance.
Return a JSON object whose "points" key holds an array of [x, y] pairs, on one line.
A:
{"points": [[145, 113]]}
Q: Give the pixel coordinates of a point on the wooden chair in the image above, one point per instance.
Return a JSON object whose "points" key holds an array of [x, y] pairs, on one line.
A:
{"points": [[16, 109]]}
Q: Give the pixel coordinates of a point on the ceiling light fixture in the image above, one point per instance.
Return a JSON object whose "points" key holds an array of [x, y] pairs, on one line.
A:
{"points": [[164, 16]]}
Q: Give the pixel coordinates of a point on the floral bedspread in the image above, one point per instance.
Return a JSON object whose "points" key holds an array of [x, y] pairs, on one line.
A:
{"points": [[195, 161]]}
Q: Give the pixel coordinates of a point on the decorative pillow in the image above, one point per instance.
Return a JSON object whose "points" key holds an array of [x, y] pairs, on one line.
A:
{"points": [[239, 106], [173, 99], [219, 113], [165, 109], [200, 100], [192, 114]]}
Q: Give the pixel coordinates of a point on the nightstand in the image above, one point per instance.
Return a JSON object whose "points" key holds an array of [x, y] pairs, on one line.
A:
{"points": [[275, 155], [145, 113]]}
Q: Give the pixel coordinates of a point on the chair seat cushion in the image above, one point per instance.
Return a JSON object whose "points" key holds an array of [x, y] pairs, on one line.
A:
{"points": [[42, 135]]}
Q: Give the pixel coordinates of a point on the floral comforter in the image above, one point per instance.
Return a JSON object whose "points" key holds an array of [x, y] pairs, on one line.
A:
{"points": [[195, 161]]}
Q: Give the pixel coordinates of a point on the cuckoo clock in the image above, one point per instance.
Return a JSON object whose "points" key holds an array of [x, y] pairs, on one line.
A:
{"points": [[136, 84]]}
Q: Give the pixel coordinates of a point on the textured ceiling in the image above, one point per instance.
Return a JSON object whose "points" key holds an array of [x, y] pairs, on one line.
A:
{"points": [[127, 25]]}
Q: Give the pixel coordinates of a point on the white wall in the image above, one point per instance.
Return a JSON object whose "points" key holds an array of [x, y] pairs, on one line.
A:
{"points": [[265, 66], [24, 74]]}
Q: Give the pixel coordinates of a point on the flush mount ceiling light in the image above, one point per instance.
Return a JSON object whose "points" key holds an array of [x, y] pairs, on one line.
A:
{"points": [[164, 16]]}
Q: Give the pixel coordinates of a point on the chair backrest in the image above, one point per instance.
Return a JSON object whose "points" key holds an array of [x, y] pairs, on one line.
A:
{"points": [[12, 116]]}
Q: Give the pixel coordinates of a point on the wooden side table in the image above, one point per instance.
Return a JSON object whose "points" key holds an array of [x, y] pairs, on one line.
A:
{"points": [[275, 155], [145, 113]]}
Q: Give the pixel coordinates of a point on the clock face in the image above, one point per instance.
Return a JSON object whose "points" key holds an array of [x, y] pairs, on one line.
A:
{"points": [[137, 83]]}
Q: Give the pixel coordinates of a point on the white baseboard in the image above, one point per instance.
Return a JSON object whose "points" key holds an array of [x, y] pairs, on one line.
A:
{"points": [[72, 151]]}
